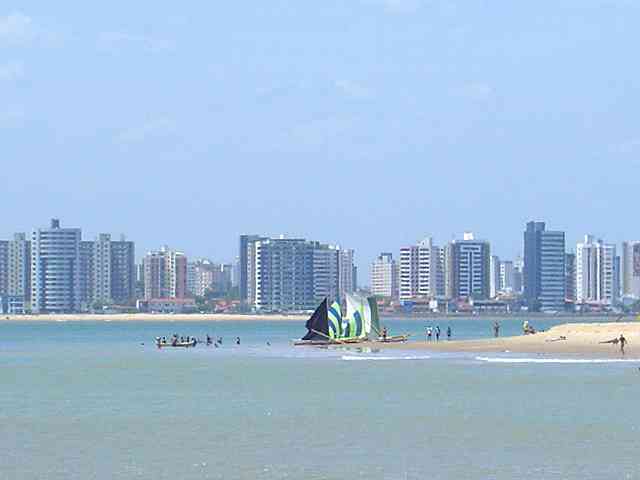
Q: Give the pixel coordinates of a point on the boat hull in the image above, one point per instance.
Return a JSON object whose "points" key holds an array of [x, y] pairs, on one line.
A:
{"points": [[177, 345], [395, 339]]}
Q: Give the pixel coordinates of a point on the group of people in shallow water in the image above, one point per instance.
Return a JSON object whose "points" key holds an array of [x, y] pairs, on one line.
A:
{"points": [[190, 341], [435, 333]]}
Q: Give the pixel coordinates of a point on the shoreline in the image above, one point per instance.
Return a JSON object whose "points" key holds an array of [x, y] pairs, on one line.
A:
{"points": [[581, 340]]}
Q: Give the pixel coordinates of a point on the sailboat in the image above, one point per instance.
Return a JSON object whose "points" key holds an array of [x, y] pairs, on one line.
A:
{"points": [[327, 326]]}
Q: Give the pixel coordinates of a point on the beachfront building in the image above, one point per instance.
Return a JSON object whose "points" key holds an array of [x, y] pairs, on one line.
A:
{"points": [[325, 273], [281, 274], [544, 269], [15, 267], [384, 276], [595, 272], [506, 276], [165, 274], [206, 276], [55, 269], [518, 275], [570, 277], [235, 273], [107, 272], [421, 271], [247, 269], [4, 266], [630, 269], [470, 268], [347, 270], [284, 278], [494, 276], [123, 271], [617, 276]]}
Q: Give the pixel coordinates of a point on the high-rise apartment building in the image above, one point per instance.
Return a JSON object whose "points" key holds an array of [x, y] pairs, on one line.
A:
{"points": [[19, 267], [281, 274], [630, 269], [123, 272], [617, 277], [204, 275], [55, 269], [347, 271], [506, 276], [494, 276], [165, 274], [107, 271], [595, 272], [246, 270], [470, 267], [384, 276], [421, 271], [101, 279], [326, 276], [570, 277], [518, 275], [544, 269], [4, 266], [284, 275]]}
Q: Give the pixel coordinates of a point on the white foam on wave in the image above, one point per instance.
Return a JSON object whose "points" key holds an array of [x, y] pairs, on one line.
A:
{"points": [[556, 360], [377, 357]]}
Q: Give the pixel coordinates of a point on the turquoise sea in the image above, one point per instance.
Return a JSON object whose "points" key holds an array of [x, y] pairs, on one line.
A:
{"points": [[97, 400]]}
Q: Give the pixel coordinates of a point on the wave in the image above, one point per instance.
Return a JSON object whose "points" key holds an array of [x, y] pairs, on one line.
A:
{"points": [[360, 357], [556, 360]]}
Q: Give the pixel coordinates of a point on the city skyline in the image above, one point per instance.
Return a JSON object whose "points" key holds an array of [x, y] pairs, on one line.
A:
{"points": [[362, 263]]}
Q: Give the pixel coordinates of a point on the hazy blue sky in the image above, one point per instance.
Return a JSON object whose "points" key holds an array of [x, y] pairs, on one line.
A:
{"points": [[369, 123]]}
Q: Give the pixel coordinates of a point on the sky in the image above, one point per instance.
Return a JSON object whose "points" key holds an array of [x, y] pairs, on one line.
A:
{"points": [[366, 123]]}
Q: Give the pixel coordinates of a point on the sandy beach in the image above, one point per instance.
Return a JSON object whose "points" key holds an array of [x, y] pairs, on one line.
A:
{"points": [[151, 317], [571, 339]]}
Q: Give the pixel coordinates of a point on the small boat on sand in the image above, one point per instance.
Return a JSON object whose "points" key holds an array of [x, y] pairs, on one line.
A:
{"points": [[394, 339]]}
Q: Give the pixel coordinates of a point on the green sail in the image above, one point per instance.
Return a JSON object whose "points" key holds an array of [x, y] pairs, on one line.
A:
{"points": [[334, 316], [375, 318], [357, 322]]}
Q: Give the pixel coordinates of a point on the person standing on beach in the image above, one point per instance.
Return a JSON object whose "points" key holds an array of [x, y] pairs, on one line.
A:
{"points": [[429, 332], [496, 329], [437, 333], [448, 333], [622, 341]]}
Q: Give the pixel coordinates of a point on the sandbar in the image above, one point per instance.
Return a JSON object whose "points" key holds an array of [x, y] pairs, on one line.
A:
{"points": [[570, 339]]}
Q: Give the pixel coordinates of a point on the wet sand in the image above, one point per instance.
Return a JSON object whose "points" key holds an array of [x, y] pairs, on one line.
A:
{"points": [[580, 339]]}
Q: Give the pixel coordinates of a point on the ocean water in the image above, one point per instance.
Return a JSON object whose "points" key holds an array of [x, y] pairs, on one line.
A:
{"points": [[97, 400]]}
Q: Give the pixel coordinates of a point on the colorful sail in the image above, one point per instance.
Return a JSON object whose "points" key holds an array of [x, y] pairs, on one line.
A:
{"points": [[334, 316], [318, 325], [375, 318], [357, 322]]}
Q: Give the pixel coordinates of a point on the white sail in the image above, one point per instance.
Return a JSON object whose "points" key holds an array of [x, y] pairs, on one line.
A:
{"points": [[357, 322]]}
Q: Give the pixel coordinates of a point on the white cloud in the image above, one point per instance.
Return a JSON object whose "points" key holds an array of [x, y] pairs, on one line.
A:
{"points": [[117, 41], [154, 128], [17, 29], [11, 71]]}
